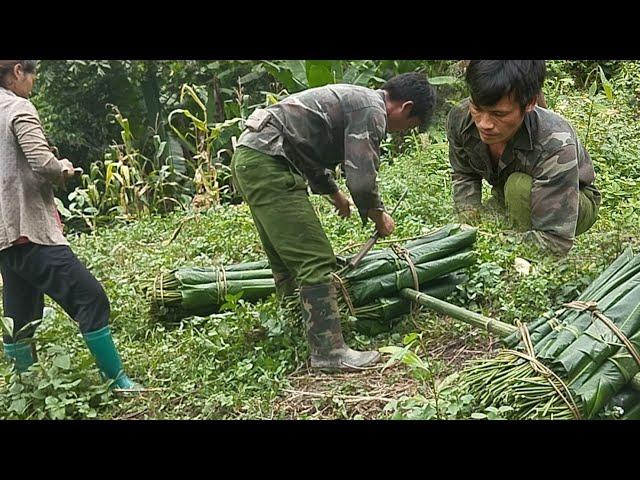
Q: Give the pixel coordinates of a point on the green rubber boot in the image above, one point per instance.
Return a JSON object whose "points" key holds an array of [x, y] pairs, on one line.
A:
{"points": [[21, 353], [101, 346]]}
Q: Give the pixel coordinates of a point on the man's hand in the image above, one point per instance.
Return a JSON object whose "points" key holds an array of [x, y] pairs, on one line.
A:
{"points": [[384, 223], [342, 204]]}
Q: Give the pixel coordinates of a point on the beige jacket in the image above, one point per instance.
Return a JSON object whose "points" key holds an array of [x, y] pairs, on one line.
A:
{"points": [[28, 171]]}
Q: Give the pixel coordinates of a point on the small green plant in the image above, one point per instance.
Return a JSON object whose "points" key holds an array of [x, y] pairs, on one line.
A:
{"points": [[54, 389], [594, 99], [424, 370], [8, 329], [51, 388]]}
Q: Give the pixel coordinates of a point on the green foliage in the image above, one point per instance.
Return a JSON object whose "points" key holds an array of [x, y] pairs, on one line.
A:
{"points": [[445, 402], [72, 98], [583, 71], [171, 114], [60, 390], [60, 385], [205, 141]]}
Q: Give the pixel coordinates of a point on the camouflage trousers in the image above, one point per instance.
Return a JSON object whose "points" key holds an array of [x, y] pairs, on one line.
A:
{"points": [[517, 199], [289, 229]]}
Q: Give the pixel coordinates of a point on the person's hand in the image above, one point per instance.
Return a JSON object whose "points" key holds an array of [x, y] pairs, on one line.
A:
{"points": [[384, 223], [342, 204], [67, 168]]}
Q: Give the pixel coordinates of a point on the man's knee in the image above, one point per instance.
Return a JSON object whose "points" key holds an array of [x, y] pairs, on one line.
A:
{"points": [[587, 212], [517, 198], [317, 270], [517, 188]]}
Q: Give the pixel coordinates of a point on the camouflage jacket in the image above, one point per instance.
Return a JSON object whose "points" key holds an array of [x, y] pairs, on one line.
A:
{"points": [[547, 148], [321, 128]]}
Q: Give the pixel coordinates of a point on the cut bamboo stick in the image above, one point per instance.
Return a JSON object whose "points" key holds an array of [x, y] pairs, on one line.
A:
{"points": [[491, 325]]}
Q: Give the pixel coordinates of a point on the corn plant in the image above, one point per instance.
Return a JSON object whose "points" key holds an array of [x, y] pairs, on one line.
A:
{"points": [[128, 184], [200, 138]]}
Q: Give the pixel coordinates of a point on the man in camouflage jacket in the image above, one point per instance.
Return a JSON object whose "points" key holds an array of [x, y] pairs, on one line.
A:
{"points": [[298, 143], [531, 156]]}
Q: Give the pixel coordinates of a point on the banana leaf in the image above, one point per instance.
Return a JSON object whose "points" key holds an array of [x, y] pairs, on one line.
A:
{"points": [[628, 400], [439, 234], [201, 290], [544, 334], [363, 292], [207, 275], [389, 262], [575, 322], [598, 342], [538, 328], [541, 330], [633, 413], [615, 373], [207, 297], [259, 265], [585, 352], [382, 314]]}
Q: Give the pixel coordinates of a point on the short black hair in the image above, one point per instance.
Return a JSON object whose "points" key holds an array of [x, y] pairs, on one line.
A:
{"points": [[490, 80], [413, 86]]}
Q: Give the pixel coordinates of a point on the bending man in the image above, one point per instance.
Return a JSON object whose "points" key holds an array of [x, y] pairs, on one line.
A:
{"points": [[298, 143]]}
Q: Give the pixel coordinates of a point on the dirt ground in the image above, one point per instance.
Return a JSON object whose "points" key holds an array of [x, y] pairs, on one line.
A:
{"points": [[363, 395]]}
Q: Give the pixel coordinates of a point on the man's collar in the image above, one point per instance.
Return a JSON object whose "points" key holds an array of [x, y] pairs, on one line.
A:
{"points": [[522, 139]]}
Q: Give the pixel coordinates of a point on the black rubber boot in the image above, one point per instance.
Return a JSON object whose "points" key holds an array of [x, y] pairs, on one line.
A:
{"points": [[322, 322]]}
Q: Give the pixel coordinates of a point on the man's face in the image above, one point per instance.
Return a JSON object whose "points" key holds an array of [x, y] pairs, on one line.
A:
{"points": [[399, 117], [499, 122]]}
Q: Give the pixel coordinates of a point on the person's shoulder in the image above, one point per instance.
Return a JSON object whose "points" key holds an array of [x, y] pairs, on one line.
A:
{"points": [[349, 88], [356, 97], [550, 120], [20, 105], [553, 130]]}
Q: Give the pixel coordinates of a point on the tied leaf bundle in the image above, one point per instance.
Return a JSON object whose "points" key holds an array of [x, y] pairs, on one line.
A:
{"points": [[579, 364], [201, 291], [369, 294], [372, 288]]}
